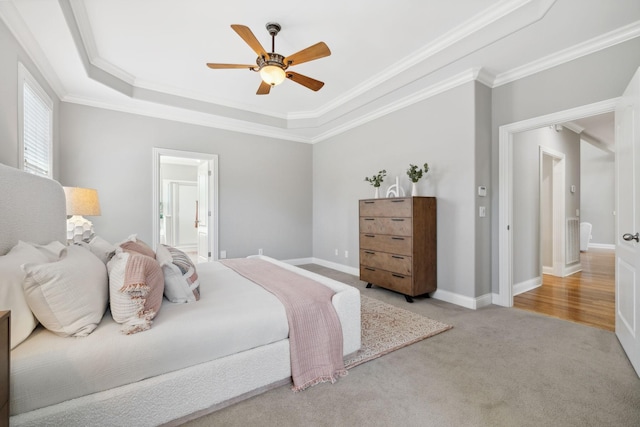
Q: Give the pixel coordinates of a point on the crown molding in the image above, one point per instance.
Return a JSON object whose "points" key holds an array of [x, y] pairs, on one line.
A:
{"points": [[574, 127], [596, 44], [192, 117], [12, 19], [491, 16]]}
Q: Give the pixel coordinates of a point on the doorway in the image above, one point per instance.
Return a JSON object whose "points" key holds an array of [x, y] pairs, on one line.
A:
{"points": [[505, 185], [185, 202]]}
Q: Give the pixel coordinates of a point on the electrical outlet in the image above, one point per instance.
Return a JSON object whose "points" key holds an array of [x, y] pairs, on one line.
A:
{"points": [[260, 251], [223, 254], [346, 254], [336, 252]]}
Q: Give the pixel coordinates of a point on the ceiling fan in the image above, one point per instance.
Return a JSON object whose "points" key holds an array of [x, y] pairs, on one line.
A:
{"points": [[273, 67]]}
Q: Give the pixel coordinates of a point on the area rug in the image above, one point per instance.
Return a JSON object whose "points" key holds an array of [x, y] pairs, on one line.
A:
{"points": [[386, 328]]}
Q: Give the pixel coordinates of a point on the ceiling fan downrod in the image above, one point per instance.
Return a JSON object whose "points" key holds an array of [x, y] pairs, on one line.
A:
{"points": [[273, 28]]}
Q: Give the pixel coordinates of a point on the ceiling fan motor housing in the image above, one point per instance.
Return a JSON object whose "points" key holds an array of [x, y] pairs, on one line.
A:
{"points": [[274, 59]]}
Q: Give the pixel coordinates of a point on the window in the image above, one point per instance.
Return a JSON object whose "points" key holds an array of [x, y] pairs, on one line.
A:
{"points": [[36, 124]]}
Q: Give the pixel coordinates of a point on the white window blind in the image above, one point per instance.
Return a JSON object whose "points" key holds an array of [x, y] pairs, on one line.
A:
{"points": [[37, 138]]}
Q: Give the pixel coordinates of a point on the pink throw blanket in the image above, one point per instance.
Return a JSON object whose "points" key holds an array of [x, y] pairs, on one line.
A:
{"points": [[315, 332]]}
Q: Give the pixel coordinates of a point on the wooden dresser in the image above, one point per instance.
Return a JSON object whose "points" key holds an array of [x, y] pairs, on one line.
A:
{"points": [[5, 357], [398, 244]]}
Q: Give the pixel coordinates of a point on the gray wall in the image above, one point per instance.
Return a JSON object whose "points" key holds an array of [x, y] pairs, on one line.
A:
{"points": [[441, 131], [600, 76], [483, 178], [10, 54], [264, 184], [526, 193], [598, 202]]}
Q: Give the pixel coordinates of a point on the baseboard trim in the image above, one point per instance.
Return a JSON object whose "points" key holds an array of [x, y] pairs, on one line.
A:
{"points": [[572, 269], [298, 261], [527, 285], [602, 246], [461, 300], [334, 265], [439, 294]]}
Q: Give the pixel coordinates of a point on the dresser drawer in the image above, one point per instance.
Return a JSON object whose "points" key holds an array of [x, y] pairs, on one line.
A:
{"points": [[400, 207], [385, 225], [397, 263], [400, 245], [385, 279]]}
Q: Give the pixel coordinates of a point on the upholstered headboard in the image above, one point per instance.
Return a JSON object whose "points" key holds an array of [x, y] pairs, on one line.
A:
{"points": [[32, 209]]}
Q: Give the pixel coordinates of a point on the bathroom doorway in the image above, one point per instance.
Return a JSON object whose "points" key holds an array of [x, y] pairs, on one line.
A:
{"points": [[185, 206]]}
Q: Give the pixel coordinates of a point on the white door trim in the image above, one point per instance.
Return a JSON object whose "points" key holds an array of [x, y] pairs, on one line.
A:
{"points": [[213, 192], [558, 216], [505, 190]]}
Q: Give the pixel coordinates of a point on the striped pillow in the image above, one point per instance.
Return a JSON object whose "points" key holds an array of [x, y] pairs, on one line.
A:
{"points": [[180, 277]]}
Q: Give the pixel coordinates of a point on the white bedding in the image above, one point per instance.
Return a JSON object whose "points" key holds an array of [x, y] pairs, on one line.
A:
{"points": [[179, 338]]}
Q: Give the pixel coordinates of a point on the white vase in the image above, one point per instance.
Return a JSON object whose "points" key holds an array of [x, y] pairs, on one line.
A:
{"points": [[376, 195], [414, 189]]}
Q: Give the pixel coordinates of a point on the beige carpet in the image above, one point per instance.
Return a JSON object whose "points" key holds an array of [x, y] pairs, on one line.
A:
{"points": [[386, 328]]}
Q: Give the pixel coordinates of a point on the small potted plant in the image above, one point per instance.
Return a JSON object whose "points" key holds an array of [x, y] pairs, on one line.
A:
{"points": [[376, 180], [414, 173]]}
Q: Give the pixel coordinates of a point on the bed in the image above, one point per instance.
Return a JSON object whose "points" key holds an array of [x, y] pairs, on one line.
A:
{"points": [[231, 344]]}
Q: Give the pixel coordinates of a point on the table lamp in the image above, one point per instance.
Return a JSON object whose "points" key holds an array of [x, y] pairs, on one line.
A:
{"points": [[80, 201]]}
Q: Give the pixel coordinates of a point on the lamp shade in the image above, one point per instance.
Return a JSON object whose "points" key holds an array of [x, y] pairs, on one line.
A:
{"points": [[272, 75], [82, 201]]}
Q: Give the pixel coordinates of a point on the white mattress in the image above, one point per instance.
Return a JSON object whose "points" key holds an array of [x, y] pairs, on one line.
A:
{"points": [[46, 369]]}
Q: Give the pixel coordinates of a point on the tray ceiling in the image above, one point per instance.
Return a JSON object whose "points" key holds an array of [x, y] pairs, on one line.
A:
{"points": [[148, 56]]}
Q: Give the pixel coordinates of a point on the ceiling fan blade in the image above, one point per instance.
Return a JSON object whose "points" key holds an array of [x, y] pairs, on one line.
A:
{"points": [[305, 81], [249, 38], [224, 66], [264, 88], [318, 50]]}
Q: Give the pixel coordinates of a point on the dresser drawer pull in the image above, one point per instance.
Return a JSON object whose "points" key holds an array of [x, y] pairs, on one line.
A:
{"points": [[397, 238], [368, 203], [397, 257], [398, 276], [397, 201], [369, 252], [369, 235], [397, 219], [370, 269], [369, 219]]}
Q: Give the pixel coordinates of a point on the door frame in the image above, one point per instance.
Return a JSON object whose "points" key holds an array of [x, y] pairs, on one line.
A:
{"points": [[505, 188], [157, 153], [558, 231]]}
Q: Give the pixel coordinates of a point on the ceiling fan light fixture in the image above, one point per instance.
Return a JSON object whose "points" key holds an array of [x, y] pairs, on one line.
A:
{"points": [[272, 74]]}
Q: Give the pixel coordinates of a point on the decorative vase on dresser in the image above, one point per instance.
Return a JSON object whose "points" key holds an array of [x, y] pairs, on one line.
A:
{"points": [[398, 244]]}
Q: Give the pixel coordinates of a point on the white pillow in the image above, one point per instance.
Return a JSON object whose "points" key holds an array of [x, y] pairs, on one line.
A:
{"points": [[11, 292], [180, 277], [68, 296], [99, 247]]}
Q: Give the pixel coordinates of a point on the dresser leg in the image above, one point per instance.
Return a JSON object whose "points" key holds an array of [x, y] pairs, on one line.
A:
{"points": [[408, 298], [368, 285]]}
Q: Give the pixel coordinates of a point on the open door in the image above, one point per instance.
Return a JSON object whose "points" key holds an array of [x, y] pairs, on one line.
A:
{"points": [[628, 221], [203, 213]]}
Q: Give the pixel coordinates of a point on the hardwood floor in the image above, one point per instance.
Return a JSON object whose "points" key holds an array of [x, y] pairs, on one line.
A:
{"points": [[587, 297]]}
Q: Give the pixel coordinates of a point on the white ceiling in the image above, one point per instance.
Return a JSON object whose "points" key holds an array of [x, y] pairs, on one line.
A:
{"points": [[148, 56]]}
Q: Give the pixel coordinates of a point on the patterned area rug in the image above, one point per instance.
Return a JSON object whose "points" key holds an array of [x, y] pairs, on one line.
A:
{"points": [[386, 328]]}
